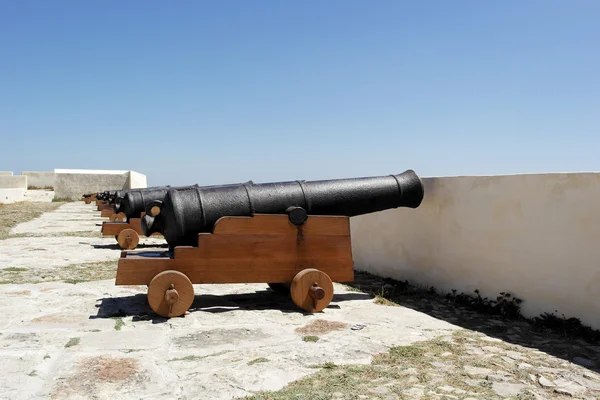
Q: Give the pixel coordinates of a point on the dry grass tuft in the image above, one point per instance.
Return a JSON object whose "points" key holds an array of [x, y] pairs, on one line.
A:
{"points": [[75, 273], [16, 213], [321, 326]]}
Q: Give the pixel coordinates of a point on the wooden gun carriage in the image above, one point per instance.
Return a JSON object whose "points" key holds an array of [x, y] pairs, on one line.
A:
{"points": [[294, 234]]}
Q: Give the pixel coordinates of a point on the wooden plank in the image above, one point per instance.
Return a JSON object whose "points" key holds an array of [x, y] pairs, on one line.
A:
{"points": [[258, 256], [269, 224], [106, 213], [135, 271], [251, 248], [113, 228]]}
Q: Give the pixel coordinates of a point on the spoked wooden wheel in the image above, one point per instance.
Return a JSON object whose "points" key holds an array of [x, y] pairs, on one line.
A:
{"points": [[312, 290], [170, 294], [128, 239]]}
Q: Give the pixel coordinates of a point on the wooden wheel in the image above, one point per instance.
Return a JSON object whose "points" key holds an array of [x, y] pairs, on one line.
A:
{"points": [[170, 294], [312, 290], [120, 217], [128, 239]]}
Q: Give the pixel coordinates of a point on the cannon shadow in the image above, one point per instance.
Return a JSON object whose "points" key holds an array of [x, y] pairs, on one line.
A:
{"points": [[115, 246], [518, 331], [136, 306]]}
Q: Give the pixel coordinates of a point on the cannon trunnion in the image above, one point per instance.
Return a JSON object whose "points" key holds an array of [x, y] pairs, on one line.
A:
{"points": [[290, 234]]}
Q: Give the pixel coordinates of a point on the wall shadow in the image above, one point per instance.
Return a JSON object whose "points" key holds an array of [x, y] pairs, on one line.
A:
{"points": [[518, 331], [136, 306]]}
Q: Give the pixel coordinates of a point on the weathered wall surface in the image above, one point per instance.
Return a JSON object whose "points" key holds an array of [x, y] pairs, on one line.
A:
{"points": [[6, 173], [13, 182], [535, 236], [71, 184], [44, 196], [137, 180], [8, 196], [39, 179]]}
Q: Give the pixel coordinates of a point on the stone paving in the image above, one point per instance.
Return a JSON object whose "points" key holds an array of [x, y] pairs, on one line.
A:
{"points": [[93, 339]]}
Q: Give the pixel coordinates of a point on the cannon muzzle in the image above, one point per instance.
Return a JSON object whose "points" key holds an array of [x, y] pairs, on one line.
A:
{"points": [[135, 200], [186, 213]]}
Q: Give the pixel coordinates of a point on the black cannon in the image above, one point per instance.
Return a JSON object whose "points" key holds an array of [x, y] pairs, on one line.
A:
{"points": [[116, 196], [151, 224], [134, 201], [183, 214], [105, 195]]}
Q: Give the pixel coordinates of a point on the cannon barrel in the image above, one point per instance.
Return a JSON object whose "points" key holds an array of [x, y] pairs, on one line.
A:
{"points": [[117, 196], [186, 213], [154, 223], [105, 195], [120, 195], [134, 202]]}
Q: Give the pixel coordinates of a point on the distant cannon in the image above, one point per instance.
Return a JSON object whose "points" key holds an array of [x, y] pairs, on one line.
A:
{"points": [[127, 211], [134, 201], [121, 213], [292, 234], [88, 197], [125, 225]]}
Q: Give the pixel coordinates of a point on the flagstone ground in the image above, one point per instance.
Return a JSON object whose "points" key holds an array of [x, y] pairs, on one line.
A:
{"points": [[68, 332]]}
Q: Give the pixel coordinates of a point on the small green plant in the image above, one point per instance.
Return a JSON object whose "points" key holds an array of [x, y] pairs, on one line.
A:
{"points": [[384, 302], [72, 342], [407, 351], [15, 269], [32, 373], [505, 304], [194, 358], [327, 365], [310, 338], [119, 323], [46, 356], [258, 360], [569, 327], [188, 358]]}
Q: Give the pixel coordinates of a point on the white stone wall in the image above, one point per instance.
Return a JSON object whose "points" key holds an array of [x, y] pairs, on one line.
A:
{"points": [[13, 182], [43, 196], [535, 236], [8, 196], [137, 180], [39, 179], [6, 173], [72, 184]]}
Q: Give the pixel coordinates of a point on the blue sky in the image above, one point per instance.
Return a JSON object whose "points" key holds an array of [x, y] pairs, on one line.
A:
{"points": [[216, 92]]}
